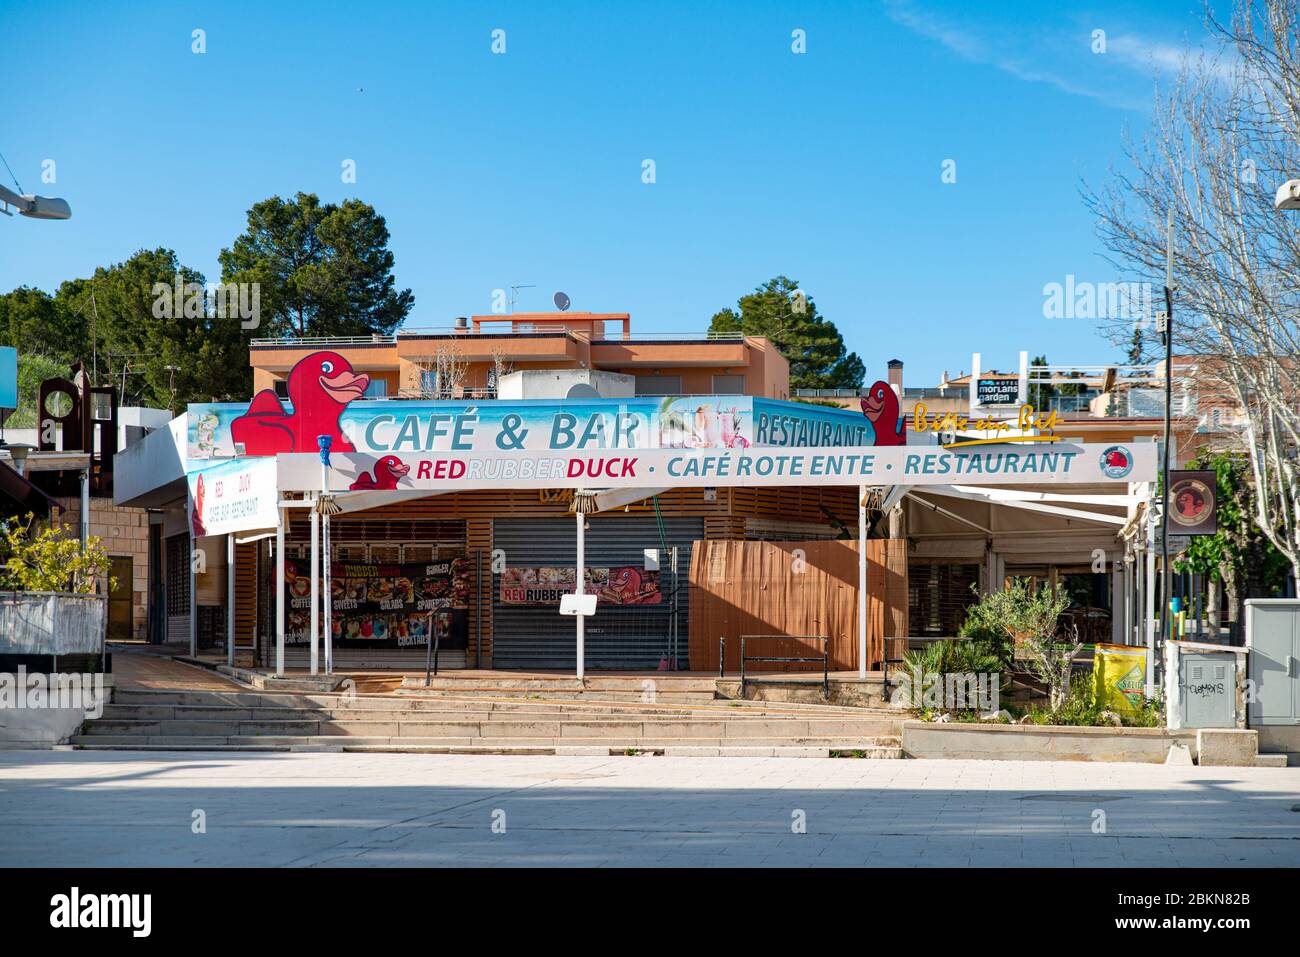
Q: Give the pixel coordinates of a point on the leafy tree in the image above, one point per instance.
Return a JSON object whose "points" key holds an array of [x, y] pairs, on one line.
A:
{"points": [[167, 356], [1238, 558], [810, 342], [43, 556], [33, 369], [1030, 619], [324, 270], [33, 321]]}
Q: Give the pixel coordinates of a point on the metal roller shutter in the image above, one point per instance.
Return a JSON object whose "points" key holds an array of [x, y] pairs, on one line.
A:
{"points": [[628, 637]]}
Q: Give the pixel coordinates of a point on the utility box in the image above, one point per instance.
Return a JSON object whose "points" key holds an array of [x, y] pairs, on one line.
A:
{"points": [[1204, 686], [1208, 686], [1273, 637]]}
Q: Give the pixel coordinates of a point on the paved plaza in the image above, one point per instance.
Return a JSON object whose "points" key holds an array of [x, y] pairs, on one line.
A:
{"points": [[320, 809]]}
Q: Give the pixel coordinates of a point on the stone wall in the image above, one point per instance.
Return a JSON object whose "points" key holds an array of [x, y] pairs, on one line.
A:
{"points": [[125, 532]]}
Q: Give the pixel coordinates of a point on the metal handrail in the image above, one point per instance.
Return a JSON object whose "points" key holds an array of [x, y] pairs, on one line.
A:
{"points": [[722, 656], [824, 659]]}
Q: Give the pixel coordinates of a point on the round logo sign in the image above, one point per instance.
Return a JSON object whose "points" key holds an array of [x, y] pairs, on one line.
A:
{"points": [[1190, 498], [1116, 462]]}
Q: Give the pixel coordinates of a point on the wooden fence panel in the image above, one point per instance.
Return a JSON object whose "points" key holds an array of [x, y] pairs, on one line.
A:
{"points": [[794, 589]]}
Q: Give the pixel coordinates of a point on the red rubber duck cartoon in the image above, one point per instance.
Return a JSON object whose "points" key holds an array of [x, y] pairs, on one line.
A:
{"points": [[320, 387], [627, 588], [196, 513], [1116, 459], [388, 472], [880, 405]]}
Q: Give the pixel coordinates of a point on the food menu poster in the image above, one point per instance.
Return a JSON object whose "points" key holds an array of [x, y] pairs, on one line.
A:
{"points": [[544, 585], [385, 605]]}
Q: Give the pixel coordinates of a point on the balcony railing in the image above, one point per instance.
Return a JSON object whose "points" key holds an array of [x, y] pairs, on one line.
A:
{"points": [[486, 331]]}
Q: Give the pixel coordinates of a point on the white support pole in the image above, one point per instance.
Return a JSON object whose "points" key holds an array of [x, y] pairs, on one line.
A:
{"points": [[85, 507], [862, 583], [230, 599], [1151, 606], [315, 592], [579, 575], [194, 604], [278, 565]]}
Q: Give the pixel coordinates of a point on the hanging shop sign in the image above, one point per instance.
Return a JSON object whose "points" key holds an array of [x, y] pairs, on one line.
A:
{"points": [[325, 399], [1095, 463], [547, 584], [384, 605], [1193, 503], [234, 496]]}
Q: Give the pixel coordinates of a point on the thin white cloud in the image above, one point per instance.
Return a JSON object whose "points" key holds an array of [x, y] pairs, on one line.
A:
{"points": [[1140, 57]]}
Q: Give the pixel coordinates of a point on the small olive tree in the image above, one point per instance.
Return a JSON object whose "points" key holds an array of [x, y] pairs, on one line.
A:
{"points": [[41, 556], [1031, 621]]}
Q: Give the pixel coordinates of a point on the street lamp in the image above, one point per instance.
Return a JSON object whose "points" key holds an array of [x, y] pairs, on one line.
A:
{"points": [[34, 207], [1288, 195], [18, 452]]}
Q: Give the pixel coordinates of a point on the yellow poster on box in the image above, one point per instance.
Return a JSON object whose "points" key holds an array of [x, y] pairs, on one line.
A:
{"points": [[1121, 675]]}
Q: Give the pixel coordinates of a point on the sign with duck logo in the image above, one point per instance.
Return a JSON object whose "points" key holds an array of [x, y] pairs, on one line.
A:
{"points": [[1116, 462], [325, 397], [1193, 502]]}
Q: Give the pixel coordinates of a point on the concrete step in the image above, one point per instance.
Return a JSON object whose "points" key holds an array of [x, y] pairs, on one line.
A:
{"points": [[503, 727], [341, 709], [494, 691], [882, 748], [632, 683]]}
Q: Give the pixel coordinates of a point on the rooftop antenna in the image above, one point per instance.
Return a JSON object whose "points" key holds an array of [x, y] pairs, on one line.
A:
{"points": [[514, 293]]}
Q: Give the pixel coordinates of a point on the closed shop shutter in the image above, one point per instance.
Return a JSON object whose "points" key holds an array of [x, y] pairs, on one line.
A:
{"points": [[618, 636], [938, 597]]}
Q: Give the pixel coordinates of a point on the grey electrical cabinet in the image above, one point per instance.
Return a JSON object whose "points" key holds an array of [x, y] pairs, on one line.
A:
{"points": [[1208, 689], [1273, 637]]}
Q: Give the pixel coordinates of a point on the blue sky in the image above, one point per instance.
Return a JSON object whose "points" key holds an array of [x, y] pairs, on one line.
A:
{"points": [[494, 170]]}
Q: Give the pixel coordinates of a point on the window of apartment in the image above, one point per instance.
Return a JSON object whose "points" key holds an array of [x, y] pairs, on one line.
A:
{"points": [[282, 388], [429, 385], [728, 385], [377, 389], [658, 385]]}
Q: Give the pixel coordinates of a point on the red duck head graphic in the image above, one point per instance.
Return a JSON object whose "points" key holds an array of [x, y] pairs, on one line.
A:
{"points": [[388, 471], [391, 465], [878, 402], [625, 580], [880, 405], [1116, 459], [325, 377]]}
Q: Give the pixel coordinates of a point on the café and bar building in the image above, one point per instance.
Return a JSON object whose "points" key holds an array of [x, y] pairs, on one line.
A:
{"points": [[452, 476]]}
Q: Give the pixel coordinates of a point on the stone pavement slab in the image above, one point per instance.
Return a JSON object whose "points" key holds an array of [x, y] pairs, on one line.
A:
{"points": [[343, 810]]}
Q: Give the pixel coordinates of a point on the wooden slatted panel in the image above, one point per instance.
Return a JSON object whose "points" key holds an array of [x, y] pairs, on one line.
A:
{"points": [[794, 588]]}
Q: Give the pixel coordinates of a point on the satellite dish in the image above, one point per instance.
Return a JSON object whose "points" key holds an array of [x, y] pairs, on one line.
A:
{"points": [[581, 390], [561, 301]]}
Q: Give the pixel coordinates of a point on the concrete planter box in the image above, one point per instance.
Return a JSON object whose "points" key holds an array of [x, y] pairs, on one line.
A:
{"points": [[1029, 742]]}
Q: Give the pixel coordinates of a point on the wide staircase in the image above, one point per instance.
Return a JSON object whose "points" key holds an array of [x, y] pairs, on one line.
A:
{"points": [[521, 720]]}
